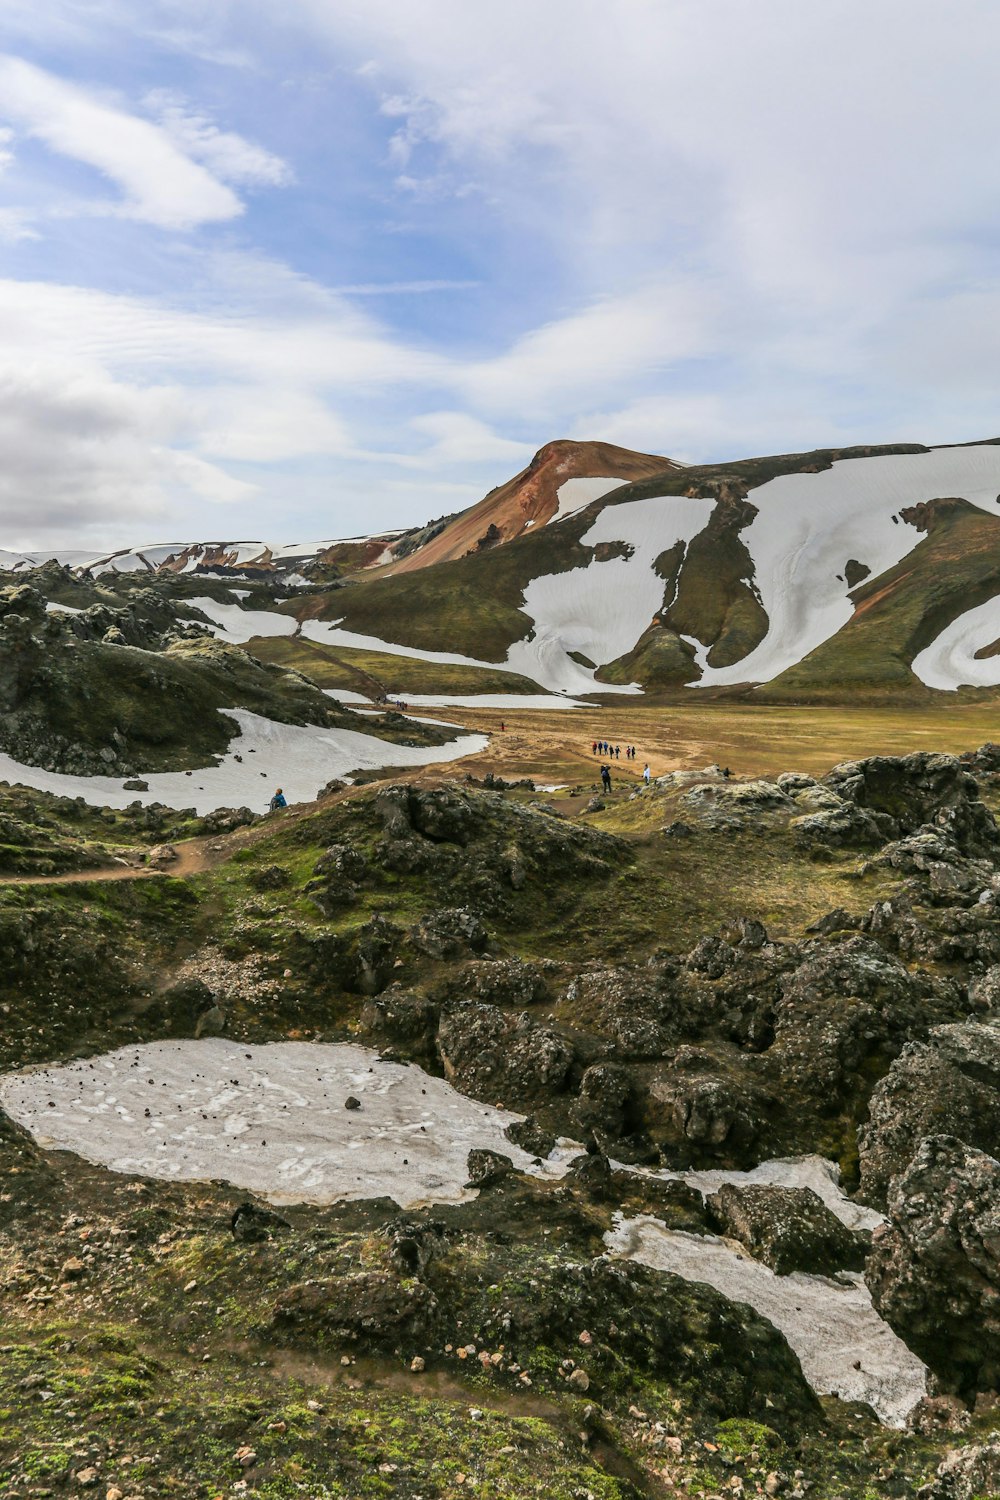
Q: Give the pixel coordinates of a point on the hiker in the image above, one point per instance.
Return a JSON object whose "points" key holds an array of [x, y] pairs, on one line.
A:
{"points": [[593, 748], [645, 774], [503, 727], [606, 778], [618, 751], [278, 800]]}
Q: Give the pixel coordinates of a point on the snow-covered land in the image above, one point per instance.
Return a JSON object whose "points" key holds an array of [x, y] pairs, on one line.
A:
{"points": [[330, 633], [574, 494], [843, 1345], [808, 526], [950, 661], [231, 622], [268, 1118], [301, 759], [601, 610]]}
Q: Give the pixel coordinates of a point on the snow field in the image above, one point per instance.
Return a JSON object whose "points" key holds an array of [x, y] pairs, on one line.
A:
{"points": [[270, 1118], [830, 1324], [950, 662], [301, 759], [602, 610], [574, 494], [809, 525], [230, 622]]}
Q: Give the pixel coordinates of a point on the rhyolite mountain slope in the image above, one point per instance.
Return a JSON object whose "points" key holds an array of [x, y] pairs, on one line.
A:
{"points": [[807, 576], [801, 577]]}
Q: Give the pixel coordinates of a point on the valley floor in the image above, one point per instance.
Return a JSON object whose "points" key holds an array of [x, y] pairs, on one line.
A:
{"points": [[691, 979]]}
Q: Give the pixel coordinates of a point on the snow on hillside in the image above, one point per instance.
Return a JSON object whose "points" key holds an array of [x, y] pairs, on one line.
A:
{"points": [[18, 562], [230, 622], [574, 494], [300, 758], [950, 662], [601, 610], [809, 525], [329, 633]]}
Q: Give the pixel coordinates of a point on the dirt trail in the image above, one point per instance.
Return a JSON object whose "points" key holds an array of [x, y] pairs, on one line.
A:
{"points": [[193, 857]]}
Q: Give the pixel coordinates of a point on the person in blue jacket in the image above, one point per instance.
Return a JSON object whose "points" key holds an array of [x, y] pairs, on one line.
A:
{"points": [[278, 800]]}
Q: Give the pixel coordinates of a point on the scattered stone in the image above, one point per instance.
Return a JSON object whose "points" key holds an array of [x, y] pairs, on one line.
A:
{"points": [[788, 1229], [351, 1102]]}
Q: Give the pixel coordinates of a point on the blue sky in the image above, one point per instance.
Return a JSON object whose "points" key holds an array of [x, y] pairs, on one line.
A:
{"points": [[329, 267]]}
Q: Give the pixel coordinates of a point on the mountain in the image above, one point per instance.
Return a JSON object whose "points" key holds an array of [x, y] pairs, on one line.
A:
{"points": [[561, 479], [810, 577], [805, 575]]}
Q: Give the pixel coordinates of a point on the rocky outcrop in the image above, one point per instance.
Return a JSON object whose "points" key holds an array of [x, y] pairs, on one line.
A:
{"points": [[501, 1058], [949, 1084], [788, 1229], [934, 1270]]}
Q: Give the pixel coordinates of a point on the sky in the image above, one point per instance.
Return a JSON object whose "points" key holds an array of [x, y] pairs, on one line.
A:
{"points": [[316, 269]]}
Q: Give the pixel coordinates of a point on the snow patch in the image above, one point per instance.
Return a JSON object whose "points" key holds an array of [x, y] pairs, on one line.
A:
{"points": [[601, 610], [230, 622], [574, 494], [330, 633], [950, 661], [61, 609], [268, 1118], [299, 758], [806, 524], [830, 1324]]}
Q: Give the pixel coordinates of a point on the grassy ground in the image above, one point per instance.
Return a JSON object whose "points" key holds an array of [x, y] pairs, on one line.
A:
{"points": [[752, 739], [380, 672]]}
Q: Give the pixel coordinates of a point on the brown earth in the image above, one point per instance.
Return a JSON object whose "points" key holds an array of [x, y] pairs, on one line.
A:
{"points": [[532, 498]]}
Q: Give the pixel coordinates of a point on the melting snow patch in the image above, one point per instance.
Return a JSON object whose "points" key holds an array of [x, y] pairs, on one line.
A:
{"points": [[331, 633], [574, 494], [806, 524], [815, 1172], [269, 1118], [230, 622], [601, 610], [510, 701], [300, 758], [950, 661], [61, 609], [844, 1347]]}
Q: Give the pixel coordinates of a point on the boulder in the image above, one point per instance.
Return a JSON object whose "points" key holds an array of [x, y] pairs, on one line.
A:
{"points": [[606, 1091], [449, 934], [788, 1229], [502, 1058], [949, 1084], [486, 1168], [531, 1137], [934, 1270], [400, 1018]]}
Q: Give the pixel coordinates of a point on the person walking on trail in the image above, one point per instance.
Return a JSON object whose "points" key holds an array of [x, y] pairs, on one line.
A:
{"points": [[606, 778], [645, 774], [278, 800], [618, 751], [503, 727], [593, 748]]}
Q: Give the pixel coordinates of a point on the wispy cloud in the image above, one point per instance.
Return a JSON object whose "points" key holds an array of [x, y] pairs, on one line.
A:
{"points": [[160, 184]]}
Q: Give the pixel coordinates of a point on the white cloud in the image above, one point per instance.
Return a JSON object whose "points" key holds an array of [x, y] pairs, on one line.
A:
{"points": [[161, 185], [223, 152], [457, 438]]}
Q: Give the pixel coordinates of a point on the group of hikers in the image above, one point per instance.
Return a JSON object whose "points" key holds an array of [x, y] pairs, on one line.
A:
{"points": [[613, 752]]}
